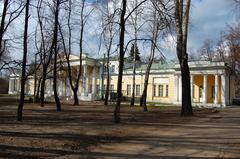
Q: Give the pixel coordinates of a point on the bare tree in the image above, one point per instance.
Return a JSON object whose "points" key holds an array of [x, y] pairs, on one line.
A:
{"points": [[221, 48], [9, 14], [206, 50], [121, 61], [24, 61], [2, 25], [123, 20], [182, 9], [108, 35], [156, 25], [134, 22], [45, 44], [233, 41], [55, 51], [74, 82]]}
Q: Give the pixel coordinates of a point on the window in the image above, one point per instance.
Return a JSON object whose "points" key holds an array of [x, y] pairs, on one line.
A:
{"points": [[97, 89], [160, 90], [128, 89], [137, 90], [166, 91], [104, 87], [105, 68], [113, 68], [90, 89], [154, 90], [111, 88]]}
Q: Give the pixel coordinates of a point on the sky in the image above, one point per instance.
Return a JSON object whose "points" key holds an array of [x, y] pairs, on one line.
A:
{"points": [[208, 18]]}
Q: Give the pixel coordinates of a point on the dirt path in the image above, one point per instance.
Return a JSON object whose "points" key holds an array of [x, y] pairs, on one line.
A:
{"points": [[87, 131]]}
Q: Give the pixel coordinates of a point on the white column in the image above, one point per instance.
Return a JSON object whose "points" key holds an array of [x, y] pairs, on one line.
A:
{"points": [[10, 86], [223, 89], [60, 88], [85, 80], [180, 88], [176, 88], [86, 87], [94, 81], [216, 90], [205, 89], [192, 87], [68, 88], [100, 80], [52, 92]]}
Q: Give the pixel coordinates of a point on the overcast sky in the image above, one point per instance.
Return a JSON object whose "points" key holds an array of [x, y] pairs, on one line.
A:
{"points": [[208, 19]]}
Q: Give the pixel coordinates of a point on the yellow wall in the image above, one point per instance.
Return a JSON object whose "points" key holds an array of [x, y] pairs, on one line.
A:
{"points": [[210, 84], [198, 81], [127, 80]]}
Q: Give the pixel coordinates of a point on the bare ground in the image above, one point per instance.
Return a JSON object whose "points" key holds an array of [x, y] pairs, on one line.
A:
{"points": [[88, 131]]}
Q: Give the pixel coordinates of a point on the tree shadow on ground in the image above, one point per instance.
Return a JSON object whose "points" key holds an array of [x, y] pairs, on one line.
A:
{"points": [[67, 126]]}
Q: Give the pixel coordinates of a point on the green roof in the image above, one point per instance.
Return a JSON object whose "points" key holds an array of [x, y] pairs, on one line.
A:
{"points": [[155, 66]]}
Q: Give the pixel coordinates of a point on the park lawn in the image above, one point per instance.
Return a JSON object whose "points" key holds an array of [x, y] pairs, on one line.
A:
{"points": [[88, 131]]}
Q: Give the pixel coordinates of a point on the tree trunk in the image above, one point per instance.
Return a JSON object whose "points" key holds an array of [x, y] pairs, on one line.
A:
{"points": [[75, 96], [57, 100], [35, 79], [75, 86], [134, 73], [121, 62], [55, 41], [4, 12], [108, 83], [182, 32], [102, 82], [186, 90], [37, 97], [23, 79], [108, 80], [134, 55], [42, 92], [143, 99]]}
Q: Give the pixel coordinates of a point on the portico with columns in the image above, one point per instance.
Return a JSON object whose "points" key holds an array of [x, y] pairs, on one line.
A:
{"points": [[89, 82], [90, 77], [209, 84]]}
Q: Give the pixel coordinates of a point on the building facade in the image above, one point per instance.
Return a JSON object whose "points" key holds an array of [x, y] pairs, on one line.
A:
{"points": [[211, 82]]}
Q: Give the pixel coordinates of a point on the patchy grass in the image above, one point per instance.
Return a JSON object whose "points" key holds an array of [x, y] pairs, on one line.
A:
{"points": [[88, 131]]}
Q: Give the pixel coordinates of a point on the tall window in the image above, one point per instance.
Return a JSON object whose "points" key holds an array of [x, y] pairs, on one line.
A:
{"points": [[97, 88], [104, 87], [160, 90], [113, 68], [128, 89], [137, 90], [166, 90], [90, 89], [154, 90], [111, 88]]}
